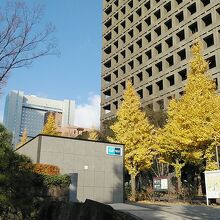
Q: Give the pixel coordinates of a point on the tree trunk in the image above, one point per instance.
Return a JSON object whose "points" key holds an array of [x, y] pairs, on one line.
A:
{"points": [[179, 185], [133, 187]]}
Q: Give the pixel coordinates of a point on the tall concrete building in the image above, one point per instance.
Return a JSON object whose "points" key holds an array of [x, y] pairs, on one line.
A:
{"points": [[28, 111], [148, 42]]}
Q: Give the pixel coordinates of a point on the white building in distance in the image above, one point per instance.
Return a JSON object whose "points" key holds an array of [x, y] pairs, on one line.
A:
{"points": [[28, 111]]}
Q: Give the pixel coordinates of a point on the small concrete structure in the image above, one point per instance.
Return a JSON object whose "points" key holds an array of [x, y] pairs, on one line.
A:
{"points": [[96, 168]]}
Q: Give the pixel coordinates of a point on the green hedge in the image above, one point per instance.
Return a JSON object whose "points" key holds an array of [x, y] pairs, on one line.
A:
{"points": [[57, 180]]}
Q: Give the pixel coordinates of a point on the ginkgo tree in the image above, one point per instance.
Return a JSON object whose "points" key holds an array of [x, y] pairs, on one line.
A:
{"points": [[192, 131], [23, 138], [133, 129], [50, 126]]}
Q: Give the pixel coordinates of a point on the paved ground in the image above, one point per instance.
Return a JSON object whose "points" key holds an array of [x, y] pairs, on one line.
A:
{"points": [[169, 211]]}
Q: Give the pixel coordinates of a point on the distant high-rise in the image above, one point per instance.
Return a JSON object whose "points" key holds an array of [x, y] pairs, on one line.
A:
{"points": [[28, 111], [148, 42]]}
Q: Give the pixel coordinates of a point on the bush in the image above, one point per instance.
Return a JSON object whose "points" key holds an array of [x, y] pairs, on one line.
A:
{"points": [[46, 169], [56, 180]]}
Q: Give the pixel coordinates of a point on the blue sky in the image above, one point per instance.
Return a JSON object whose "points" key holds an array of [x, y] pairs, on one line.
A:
{"points": [[75, 74]]}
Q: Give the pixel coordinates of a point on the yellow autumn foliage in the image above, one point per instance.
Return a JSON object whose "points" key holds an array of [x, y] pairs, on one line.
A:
{"points": [[133, 129], [50, 127], [193, 127]]}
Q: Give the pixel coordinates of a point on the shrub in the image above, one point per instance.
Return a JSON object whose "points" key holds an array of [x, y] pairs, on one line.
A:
{"points": [[46, 169], [57, 180]]}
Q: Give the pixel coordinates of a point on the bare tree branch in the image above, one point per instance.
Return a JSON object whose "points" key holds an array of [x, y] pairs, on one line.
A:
{"points": [[22, 40]]}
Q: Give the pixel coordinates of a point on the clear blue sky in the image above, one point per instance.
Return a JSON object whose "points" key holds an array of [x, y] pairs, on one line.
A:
{"points": [[75, 74]]}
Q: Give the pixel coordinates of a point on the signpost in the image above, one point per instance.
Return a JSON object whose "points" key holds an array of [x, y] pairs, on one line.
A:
{"points": [[160, 183], [212, 185], [114, 151]]}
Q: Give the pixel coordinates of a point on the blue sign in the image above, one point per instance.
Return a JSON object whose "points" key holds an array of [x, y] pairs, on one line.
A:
{"points": [[114, 151]]}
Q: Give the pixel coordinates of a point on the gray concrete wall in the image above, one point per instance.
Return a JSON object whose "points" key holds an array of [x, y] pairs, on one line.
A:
{"points": [[95, 175], [30, 149]]}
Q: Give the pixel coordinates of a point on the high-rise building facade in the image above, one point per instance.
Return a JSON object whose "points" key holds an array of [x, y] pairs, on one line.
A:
{"points": [[28, 111], [148, 42]]}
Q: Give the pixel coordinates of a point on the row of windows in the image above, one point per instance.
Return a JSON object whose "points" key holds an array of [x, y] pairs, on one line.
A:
{"points": [[149, 54], [160, 104], [137, 15], [159, 85], [156, 32], [139, 77], [147, 6]]}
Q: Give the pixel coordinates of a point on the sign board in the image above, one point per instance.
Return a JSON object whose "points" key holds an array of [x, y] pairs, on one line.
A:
{"points": [[114, 151], [212, 185], [160, 183]]}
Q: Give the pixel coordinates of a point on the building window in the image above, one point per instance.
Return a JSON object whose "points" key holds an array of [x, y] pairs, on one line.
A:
{"points": [[212, 62], [157, 14], [131, 48], [149, 71], [116, 16], [123, 53], [139, 59], [158, 31], [131, 18], [159, 66], [139, 12], [116, 73], [158, 48], [170, 60], [160, 85], [180, 16], [140, 76], [193, 27], [116, 89], [139, 43], [140, 93], [181, 35], [108, 50], [116, 44], [108, 10], [131, 33], [116, 30], [116, 3], [123, 69], [123, 24], [207, 19], [150, 89], [168, 6], [131, 4], [209, 40], [108, 36], [183, 74], [171, 80], [147, 5], [149, 54], [107, 64], [148, 21], [182, 54], [139, 27], [168, 24], [131, 64], [108, 23], [179, 1], [123, 38], [148, 37], [192, 8], [169, 42], [123, 10], [205, 2], [115, 103]]}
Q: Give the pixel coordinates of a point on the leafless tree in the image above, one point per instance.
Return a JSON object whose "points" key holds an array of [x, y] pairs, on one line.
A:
{"points": [[23, 37]]}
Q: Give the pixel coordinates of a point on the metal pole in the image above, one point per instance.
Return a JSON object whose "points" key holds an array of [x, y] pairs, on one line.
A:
{"points": [[217, 159]]}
